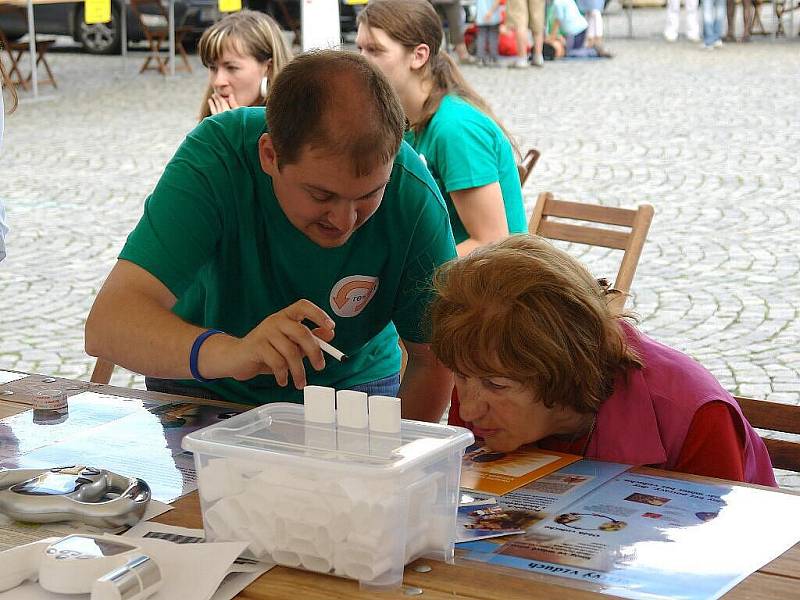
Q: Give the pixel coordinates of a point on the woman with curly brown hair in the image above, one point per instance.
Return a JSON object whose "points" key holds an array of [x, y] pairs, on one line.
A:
{"points": [[539, 357]]}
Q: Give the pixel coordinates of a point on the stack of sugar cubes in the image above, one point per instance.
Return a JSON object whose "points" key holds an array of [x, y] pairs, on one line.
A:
{"points": [[339, 485]]}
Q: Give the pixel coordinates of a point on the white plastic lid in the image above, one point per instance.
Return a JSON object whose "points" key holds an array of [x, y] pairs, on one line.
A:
{"points": [[279, 431]]}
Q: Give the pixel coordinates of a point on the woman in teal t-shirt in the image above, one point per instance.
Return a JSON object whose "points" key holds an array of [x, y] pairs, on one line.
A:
{"points": [[468, 151]]}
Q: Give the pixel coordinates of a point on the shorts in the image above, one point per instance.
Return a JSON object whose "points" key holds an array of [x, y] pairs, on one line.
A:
{"points": [[526, 14]]}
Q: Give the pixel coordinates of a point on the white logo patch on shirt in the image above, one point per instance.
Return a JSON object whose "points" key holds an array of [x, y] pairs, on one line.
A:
{"points": [[351, 294]]}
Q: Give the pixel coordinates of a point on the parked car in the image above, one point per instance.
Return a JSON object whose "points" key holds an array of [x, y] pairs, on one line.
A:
{"points": [[105, 38]]}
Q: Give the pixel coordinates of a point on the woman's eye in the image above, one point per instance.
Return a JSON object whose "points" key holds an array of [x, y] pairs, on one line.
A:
{"points": [[493, 385]]}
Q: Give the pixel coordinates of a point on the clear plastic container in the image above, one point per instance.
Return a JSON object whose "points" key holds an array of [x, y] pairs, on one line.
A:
{"points": [[349, 502]]}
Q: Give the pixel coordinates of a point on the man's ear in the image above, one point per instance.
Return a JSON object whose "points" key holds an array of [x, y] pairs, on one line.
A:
{"points": [[267, 156], [422, 53]]}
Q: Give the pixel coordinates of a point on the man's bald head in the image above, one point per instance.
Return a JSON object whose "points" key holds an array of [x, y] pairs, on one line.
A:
{"points": [[337, 102]]}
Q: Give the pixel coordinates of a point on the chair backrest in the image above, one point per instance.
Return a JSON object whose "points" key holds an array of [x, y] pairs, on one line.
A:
{"points": [[526, 165], [776, 417], [156, 18], [635, 224]]}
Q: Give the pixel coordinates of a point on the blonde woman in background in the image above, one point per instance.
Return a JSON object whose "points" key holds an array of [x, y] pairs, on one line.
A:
{"points": [[243, 52]]}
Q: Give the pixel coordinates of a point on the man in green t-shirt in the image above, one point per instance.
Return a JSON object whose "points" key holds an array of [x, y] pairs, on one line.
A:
{"points": [[259, 237]]}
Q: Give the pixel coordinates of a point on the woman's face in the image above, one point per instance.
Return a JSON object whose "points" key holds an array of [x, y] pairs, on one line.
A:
{"points": [[238, 77], [390, 56], [506, 413]]}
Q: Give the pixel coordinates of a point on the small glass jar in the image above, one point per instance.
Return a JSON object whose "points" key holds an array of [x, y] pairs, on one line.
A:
{"points": [[50, 407]]}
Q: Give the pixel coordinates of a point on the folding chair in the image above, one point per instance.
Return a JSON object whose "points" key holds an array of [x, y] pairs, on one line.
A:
{"points": [[526, 165], [780, 418], [155, 26], [15, 50], [636, 223], [102, 371]]}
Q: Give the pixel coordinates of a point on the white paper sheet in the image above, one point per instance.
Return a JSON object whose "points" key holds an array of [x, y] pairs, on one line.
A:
{"points": [[13, 533], [8, 376], [188, 571], [242, 572]]}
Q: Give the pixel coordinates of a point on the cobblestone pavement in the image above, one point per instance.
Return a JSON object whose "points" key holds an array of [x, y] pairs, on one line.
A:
{"points": [[710, 138]]}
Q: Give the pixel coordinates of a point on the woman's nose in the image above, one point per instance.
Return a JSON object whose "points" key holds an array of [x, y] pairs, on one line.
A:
{"points": [[471, 407], [220, 79]]}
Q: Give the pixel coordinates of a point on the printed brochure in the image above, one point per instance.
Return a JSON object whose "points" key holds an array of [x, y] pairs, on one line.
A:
{"points": [[497, 473], [642, 536]]}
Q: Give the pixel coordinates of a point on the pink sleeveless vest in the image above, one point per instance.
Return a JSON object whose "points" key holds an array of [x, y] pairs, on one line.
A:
{"points": [[646, 419]]}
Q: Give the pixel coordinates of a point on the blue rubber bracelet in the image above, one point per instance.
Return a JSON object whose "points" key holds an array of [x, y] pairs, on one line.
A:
{"points": [[196, 351]]}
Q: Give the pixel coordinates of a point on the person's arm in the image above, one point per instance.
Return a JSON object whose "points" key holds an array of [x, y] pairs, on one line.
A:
{"points": [[132, 325], [553, 34], [483, 213], [714, 446], [490, 12], [426, 386]]}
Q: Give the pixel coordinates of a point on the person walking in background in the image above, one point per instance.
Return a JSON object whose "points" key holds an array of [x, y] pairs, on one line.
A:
{"points": [[522, 15], [488, 20], [243, 52], [748, 14], [467, 150], [713, 22], [454, 15], [672, 26]]}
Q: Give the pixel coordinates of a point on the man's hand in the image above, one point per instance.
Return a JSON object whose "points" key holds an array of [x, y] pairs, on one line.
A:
{"points": [[280, 342], [218, 104]]}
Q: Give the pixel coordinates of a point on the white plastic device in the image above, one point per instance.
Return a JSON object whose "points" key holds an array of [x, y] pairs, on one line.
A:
{"points": [[105, 566]]}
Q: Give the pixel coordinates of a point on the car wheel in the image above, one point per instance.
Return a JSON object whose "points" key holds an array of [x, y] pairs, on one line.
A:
{"points": [[100, 38]]}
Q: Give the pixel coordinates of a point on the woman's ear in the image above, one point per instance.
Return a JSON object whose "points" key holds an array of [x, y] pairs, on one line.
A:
{"points": [[421, 54], [268, 70]]}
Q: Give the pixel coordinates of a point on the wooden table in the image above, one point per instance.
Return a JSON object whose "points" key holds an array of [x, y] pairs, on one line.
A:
{"points": [[465, 580]]}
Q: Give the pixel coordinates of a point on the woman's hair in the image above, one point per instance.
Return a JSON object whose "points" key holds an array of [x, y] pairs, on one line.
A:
{"points": [[525, 310], [248, 32], [5, 83], [415, 22]]}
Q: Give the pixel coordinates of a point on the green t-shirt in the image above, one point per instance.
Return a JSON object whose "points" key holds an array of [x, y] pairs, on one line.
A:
{"points": [[214, 234], [463, 149]]}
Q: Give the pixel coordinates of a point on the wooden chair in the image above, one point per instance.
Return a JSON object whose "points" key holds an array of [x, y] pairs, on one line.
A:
{"points": [[158, 34], [526, 165], [630, 240], [15, 51], [102, 371], [776, 417]]}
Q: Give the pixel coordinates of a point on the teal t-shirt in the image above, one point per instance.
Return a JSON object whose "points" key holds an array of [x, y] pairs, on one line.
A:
{"points": [[463, 149], [214, 234]]}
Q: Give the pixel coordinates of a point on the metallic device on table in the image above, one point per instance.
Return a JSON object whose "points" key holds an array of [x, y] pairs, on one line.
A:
{"points": [[77, 493], [105, 566]]}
